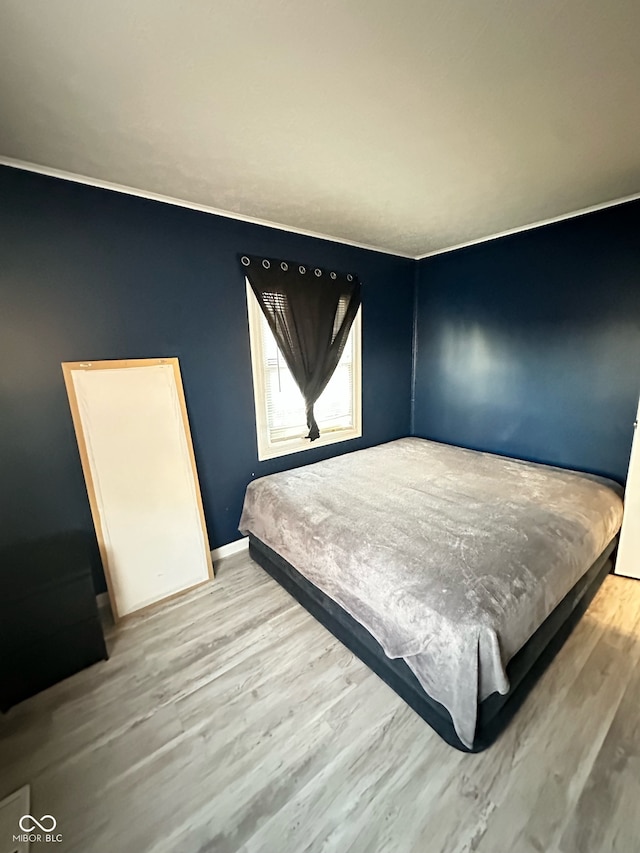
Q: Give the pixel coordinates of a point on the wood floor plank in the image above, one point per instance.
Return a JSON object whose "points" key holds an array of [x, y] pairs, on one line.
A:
{"points": [[333, 810], [229, 720], [607, 813]]}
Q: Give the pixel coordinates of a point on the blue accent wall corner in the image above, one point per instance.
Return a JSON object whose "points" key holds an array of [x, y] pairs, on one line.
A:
{"points": [[529, 345]]}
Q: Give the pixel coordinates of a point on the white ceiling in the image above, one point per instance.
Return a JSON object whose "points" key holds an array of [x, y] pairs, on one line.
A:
{"points": [[411, 126]]}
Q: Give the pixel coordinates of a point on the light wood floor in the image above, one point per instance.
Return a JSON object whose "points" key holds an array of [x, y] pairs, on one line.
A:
{"points": [[230, 720]]}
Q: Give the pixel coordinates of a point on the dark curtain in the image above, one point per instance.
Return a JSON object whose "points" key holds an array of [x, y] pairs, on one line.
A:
{"points": [[310, 312]]}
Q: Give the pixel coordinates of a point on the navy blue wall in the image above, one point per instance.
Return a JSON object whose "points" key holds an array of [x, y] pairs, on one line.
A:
{"points": [[529, 345], [92, 274]]}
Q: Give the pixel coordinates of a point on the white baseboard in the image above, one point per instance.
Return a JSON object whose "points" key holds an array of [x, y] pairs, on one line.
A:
{"points": [[231, 548]]}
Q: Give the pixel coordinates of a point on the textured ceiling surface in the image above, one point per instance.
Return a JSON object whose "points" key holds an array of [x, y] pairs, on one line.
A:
{"points": [[410, 125]]}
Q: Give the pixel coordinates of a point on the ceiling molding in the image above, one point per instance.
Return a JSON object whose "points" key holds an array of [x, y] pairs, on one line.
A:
{"points": [[49, 171], [539, 224]]}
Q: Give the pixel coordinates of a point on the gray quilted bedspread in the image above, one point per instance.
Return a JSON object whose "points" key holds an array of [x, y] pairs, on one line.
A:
{"points": [[451, 558]]}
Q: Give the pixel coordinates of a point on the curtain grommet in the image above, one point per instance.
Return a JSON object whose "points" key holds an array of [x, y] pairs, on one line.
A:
{"points": [[302, 270], [284, 266], [244, 260], [266, 264], [318, 272]]}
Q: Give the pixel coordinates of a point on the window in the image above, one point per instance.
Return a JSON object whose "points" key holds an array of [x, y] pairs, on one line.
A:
{"points": [[281, 422]]}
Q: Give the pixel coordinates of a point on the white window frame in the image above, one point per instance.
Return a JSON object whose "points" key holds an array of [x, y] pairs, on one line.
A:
{"points": [[268, 449]]}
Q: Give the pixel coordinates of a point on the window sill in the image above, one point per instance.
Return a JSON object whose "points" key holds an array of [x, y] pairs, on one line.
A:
{"points": [[297, 445]]}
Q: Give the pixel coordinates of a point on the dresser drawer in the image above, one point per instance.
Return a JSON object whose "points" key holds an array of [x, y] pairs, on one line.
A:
{"points": [[44, 612], [37, 665], [49, 622]]}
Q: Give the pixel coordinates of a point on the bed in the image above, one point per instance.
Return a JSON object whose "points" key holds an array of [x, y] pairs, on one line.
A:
{"points": [[455, 575]]}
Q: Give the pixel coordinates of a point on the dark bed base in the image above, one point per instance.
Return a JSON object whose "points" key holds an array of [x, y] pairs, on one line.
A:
{"points": [[496, 711]]}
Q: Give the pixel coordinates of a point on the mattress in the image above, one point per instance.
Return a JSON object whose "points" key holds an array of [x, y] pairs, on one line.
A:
{"points": [[451, 559]]}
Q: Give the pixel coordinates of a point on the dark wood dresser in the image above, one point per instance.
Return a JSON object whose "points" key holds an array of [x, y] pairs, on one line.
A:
{"points": [[49, 622]]}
